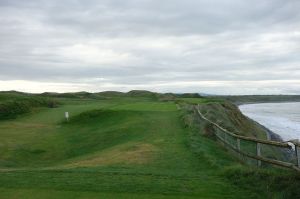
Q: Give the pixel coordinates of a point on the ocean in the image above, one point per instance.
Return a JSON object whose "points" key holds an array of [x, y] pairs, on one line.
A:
{"points": [[281, 118]]}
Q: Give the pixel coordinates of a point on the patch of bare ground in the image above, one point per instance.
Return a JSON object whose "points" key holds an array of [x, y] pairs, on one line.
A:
{"points": [[139, 153]]}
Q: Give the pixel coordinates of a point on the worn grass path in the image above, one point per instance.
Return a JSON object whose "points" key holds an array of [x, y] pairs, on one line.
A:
{"points": [[120, 148]]}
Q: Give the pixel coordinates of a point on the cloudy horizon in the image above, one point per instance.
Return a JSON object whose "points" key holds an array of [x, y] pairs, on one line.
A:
{"points": [[216, 47]]}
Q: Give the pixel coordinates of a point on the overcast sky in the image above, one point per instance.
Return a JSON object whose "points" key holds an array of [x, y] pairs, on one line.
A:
{"points": [[212, 46]]}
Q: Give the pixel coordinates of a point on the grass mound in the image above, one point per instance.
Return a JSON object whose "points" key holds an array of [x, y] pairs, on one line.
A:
{"points": [[142, 93]]}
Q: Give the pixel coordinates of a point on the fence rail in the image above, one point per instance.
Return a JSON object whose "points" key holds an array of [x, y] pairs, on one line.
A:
{"points": [[283, 149]]}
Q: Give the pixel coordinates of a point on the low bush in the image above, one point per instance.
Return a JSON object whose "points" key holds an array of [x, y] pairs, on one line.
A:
{"points": [[11, 109]]}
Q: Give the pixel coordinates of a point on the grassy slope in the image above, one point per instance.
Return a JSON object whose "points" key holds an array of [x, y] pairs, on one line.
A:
{"points": [[131, 148]]}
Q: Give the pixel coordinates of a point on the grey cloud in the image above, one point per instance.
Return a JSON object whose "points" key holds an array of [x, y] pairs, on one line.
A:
{"points": [[143, 42]]}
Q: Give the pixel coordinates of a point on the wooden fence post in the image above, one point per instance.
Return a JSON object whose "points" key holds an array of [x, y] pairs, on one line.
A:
{"points": [[258, 153], [297, 151], [238, 146]]}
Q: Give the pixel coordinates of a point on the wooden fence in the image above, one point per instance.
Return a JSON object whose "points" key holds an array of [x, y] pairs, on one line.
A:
{"points": [[233, 141]]}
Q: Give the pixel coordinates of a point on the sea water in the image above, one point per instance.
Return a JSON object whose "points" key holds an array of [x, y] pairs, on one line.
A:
{"points": [[281, 118]]}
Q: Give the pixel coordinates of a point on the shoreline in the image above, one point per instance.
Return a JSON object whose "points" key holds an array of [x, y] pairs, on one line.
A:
{"points": [[282, 118], [270, 134], [264, 102]]}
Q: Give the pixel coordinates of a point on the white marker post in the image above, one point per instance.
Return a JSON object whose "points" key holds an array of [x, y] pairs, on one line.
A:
{"points": [[67, 116]]}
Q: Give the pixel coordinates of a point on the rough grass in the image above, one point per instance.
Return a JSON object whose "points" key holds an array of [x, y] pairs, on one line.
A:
{"points": [[229, 116]]}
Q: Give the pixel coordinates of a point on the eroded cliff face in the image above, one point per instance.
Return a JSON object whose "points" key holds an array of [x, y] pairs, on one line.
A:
{"points": [[230, 117]]}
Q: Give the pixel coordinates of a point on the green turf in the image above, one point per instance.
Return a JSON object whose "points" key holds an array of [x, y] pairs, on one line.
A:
{"points": [[195, 100], [112, 148]]}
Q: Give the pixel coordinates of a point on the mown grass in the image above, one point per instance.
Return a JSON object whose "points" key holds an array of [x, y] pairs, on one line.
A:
{"points": [[114, 148]]}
